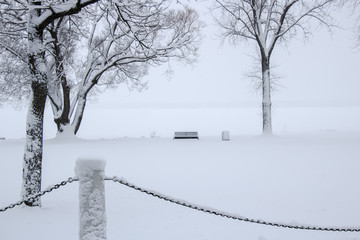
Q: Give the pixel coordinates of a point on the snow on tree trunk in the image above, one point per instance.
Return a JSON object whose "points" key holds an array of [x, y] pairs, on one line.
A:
{"points": [[91, 199], [266, 97], [65, 129], [32, 164], [79, 113], [62, 126], [64, 119], [67, 133]]}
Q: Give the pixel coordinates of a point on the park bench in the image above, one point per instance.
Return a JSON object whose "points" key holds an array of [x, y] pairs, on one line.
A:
{"points": [[186, 135]]}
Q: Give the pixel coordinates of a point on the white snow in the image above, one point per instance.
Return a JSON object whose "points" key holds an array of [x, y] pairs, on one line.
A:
{"points": [[92, 212], [91, 163], [309, 179]]}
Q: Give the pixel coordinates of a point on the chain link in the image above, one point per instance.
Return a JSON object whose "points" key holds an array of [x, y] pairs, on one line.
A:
{"points": [[184, 204], [226, 215], [42, 193]]}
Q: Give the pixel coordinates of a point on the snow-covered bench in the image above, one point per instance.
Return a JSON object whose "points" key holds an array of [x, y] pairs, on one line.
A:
{"points": [[186, 135]]}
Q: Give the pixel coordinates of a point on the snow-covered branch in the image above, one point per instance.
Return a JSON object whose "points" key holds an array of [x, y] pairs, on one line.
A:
{"points": [[53, 11], [122, 40]]}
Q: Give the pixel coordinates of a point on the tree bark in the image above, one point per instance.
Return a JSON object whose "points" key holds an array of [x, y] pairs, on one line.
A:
{"points": [[64, 119], [32, 165], [266, 95]]}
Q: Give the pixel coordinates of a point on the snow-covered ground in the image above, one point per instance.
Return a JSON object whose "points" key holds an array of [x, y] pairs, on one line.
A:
{"points": [[295, 177]]}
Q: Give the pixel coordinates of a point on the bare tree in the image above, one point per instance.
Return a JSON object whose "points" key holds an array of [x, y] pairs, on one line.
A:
{"points": [[122, 42], [355, 4], [269, 23]]}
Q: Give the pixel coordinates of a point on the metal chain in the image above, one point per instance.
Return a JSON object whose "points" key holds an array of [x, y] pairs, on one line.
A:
{"points": [[226, 215], [42, 193], [184, 204]]}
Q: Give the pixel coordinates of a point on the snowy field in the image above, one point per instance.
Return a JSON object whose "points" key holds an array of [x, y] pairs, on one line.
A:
{"points": [[307, 174]]}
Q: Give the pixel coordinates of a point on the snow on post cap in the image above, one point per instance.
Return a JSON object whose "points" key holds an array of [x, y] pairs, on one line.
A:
{"points": [[91, 163]]}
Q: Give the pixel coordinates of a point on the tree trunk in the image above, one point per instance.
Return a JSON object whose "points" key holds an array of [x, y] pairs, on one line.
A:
{"points": [[80, 108], [266, 95], [73, 128], [63, 121], [32, 165]]}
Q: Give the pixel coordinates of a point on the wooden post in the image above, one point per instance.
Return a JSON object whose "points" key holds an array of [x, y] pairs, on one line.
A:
{"points": [[91, 199]]}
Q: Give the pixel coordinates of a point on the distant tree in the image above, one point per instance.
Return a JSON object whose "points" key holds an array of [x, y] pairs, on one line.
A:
{"points": [[269, 23], [356, 5]]}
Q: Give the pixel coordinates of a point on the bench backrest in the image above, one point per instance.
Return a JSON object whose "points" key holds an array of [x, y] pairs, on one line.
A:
{"points": [[186, 135]]}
